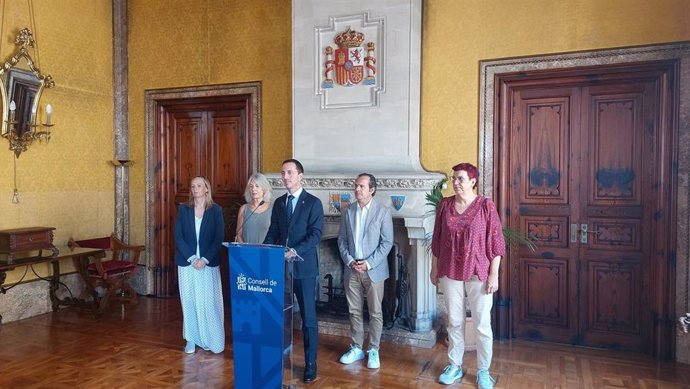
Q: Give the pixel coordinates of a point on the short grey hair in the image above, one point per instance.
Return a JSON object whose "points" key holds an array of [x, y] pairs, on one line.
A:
{"points": [[260, 180]]}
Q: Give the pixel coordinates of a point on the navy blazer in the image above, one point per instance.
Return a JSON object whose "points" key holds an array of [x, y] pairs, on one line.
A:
{"points": [[303, 234], [210, 235]]}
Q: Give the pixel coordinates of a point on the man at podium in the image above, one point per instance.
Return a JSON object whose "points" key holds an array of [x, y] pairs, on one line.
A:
{"points": [[296, 223]]}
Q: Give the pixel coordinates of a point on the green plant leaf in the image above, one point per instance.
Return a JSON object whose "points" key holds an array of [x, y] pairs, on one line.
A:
{"points": [[434, 197], [513, 237]]}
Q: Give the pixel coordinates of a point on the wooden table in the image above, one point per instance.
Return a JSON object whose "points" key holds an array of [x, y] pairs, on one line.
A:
{"points": [[80, 256], [15, 242]]}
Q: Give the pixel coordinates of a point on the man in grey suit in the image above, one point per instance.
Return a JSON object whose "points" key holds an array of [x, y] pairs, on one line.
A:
{"points": [[365, 238]]}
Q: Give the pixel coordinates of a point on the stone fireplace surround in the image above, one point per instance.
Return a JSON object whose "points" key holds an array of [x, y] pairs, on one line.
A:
{"points": [[412, 223], [373, 127]]}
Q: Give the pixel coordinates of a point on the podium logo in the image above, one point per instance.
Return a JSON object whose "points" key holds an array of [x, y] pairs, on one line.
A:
{"points": [[241, 282]]}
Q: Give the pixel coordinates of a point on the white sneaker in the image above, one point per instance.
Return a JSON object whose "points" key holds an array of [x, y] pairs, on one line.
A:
{"points": [[484, 380], [373, 361], [354, 354], [451, 374]]}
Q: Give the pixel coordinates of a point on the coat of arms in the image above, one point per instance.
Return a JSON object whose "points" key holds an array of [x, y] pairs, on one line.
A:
{"points": [[398, 201], [349, 62], [338, 202]]}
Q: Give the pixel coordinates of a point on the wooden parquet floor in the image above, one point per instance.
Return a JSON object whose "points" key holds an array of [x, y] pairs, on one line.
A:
{"points": [[140, 346]]}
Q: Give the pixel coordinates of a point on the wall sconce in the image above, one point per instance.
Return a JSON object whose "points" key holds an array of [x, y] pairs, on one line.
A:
{"points": [[22, 85], [20, 140]]}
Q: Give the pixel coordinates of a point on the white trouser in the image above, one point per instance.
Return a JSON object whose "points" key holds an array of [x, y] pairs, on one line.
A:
{"points": [[480, 305]]}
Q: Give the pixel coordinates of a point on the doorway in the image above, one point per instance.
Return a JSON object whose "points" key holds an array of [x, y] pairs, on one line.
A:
{"points": [[208, 131], [581, 151], [587, 161]]}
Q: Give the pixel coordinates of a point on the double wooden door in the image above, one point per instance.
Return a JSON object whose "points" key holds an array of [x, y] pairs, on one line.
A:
{"points": [[589, 177], [205, 137]]}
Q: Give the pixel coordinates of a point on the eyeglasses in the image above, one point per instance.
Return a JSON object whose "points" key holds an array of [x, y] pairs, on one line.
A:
{"points": [[460, 179]]}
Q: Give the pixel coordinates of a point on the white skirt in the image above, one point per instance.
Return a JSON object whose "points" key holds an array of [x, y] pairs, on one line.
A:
{"points": [[201, 296]]}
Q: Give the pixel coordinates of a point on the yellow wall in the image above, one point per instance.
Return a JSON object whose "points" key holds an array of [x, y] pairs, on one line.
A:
{"points": [[177, 43], [68, 183], [459, 33]]}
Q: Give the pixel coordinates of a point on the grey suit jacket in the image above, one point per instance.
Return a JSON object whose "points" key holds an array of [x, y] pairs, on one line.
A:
{"points": [[377, 241]]}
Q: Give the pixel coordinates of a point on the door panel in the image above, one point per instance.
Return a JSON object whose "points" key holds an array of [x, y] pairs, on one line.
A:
{"points": [[578, 173], [619, 158], [226, 151], [186, 129], [228, 164], [546, 292], [542, 176]]}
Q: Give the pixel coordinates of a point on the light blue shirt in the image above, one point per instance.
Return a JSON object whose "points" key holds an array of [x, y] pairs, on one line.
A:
{"points": [[293, 203]]}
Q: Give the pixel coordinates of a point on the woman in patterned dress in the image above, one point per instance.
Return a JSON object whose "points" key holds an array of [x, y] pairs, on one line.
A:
{"points": [[198, 236], [467, 246]]}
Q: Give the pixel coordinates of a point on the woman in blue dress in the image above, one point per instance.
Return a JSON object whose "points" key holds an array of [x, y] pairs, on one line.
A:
{"points": [[199, 230]]}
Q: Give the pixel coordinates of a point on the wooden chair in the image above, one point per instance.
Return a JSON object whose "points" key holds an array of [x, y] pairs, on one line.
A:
{"points": [[111, 272]]}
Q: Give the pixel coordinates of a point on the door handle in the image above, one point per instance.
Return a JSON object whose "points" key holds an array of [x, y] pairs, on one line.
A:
{"points": [[573, 233], [584, 230]]}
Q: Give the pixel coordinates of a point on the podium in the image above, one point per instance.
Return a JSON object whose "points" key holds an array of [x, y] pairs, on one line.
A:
{"points": [[261, 300]]}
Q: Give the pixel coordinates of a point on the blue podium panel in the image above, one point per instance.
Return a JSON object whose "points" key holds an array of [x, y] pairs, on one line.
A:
{"points": [[258, 294]]}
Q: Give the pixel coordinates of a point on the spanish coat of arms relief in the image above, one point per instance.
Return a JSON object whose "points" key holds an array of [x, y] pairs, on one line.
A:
{"points": [[350, 63]]}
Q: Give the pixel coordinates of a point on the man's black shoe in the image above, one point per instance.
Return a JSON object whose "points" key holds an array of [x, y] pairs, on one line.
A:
{"points": [[309, 373]]}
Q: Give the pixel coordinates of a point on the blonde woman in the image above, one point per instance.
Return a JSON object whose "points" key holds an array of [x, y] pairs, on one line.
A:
{"points": [[199, 229], [254, 217]]}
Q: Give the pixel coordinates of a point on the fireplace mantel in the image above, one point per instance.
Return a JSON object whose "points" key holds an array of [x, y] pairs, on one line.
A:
{"points": [[412, 224]]}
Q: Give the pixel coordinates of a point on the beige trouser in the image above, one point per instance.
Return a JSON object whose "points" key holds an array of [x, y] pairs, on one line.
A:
{"points": [[356, 286], [480, 305]]}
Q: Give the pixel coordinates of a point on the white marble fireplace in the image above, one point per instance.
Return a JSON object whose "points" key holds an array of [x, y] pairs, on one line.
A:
{"points": [[411, 227], [356, 108]]}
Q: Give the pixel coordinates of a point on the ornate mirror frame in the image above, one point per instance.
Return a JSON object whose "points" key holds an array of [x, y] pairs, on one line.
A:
{"points": [[14, 77]]}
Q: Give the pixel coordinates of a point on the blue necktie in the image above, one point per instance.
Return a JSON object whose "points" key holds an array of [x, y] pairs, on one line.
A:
{"points": [[289, 208]]}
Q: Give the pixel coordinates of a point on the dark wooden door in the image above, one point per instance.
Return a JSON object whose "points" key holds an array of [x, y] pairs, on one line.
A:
{"points": [[208, 138], [209, 143], [620, 161], [588, 156], [546, 199]]}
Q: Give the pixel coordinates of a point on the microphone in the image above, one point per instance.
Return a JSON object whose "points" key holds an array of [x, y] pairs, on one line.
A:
{"points": [[248, 217]]}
